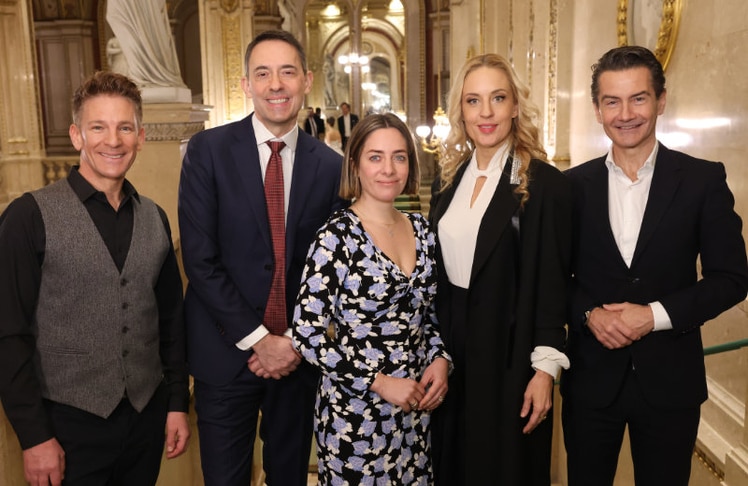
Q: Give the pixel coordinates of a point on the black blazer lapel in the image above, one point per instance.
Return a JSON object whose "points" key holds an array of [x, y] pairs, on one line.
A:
{"points": [[445, 198], [596, 202], [246, 159], [504, 204], [305, 168], [665, 182]]}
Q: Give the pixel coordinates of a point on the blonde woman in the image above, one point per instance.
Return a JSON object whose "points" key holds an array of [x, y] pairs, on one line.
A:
{"points": [[502, 216]]}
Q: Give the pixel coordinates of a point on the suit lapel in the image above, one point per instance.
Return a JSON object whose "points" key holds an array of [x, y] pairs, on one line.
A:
{"points": [[305, 168], [596, 202], [665, 181], [497, 219], [246, 158]]}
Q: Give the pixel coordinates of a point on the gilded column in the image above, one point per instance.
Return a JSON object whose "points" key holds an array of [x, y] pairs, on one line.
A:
{"points": [[21, 143]]}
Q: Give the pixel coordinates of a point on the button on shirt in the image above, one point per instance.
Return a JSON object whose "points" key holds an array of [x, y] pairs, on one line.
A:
{"points": [[627, 201]]}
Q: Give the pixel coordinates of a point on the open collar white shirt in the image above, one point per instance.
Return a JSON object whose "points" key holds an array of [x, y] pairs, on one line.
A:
{"points": [[627, 201]]}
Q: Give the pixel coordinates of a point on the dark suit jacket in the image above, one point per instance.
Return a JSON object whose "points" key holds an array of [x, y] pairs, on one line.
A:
{"points": [[225, 237], [516, 301], [689, 214], [341, 124]]}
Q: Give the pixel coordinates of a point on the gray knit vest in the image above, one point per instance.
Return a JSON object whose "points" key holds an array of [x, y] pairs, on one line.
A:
{"points": [[97, 330]]}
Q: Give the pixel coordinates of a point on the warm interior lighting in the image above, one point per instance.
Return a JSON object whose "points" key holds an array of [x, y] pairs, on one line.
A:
{"points": [[396, 6], [354, 58], [432, 139], [331, 10]]}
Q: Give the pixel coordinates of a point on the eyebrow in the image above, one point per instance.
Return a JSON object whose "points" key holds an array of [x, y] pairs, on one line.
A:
{"points": [[496, 91], [268, 68], [611, 97]]}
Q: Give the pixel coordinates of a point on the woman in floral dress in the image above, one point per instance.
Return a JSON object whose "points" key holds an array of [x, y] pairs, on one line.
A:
{"points": [[365, 317]]}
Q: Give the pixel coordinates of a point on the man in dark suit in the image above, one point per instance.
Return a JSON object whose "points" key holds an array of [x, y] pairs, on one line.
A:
{"points": [[643, 216], [243, 362], [320, 123], [346, 122], [310, 124]]}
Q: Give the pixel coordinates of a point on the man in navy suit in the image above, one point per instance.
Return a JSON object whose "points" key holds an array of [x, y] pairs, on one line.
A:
{"points": [[346, 123], [241, 367], [643, 216]]}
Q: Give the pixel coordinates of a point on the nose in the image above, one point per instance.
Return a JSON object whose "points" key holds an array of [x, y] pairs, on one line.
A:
{"points": [[275, 83], [626, 111], [113, 137], [486, 110], [389, 166]]}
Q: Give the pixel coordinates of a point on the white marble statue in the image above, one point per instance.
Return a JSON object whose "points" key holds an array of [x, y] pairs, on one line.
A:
{"points": [[143, 31], [115, 57], [289, 12]]}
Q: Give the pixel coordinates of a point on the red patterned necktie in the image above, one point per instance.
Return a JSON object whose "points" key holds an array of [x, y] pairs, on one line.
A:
{"points": [[275, 311]]}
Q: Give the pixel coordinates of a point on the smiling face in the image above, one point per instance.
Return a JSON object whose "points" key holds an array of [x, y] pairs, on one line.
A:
{"points": [[108, 138], [383, 166], [627, 108], [276, 83], [488, 107]]}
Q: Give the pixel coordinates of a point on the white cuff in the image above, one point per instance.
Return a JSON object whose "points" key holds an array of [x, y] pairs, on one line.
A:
{"points": [[661, 317], [253, 338], [549, 360]]}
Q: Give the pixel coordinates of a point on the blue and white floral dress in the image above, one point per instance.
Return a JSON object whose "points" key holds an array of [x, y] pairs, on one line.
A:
{"points": [[357, 314]]}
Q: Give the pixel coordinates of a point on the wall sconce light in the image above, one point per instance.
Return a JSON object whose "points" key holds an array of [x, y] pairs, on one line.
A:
{"points": [[432, 139]]}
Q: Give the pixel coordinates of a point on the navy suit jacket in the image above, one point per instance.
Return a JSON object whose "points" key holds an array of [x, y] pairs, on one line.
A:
{"points": [[225, 236], [689, 216]]}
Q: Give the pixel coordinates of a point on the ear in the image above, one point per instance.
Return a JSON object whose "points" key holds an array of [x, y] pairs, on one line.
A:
{"points": [[141, 138], [76, 137], [515, 112], [245, 87], [308, 80], [661, 102], [598, 115]]}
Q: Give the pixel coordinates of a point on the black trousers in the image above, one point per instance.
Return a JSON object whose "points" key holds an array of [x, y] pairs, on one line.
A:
{"points": [[662, 440], [124, 449]]}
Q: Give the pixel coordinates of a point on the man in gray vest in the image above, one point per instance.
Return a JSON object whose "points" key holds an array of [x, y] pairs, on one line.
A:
{"points": [[92, 351]]}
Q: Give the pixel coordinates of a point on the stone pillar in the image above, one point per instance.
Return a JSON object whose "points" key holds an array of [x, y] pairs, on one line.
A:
{"points": [[21, 143], [155, 173], [226, 27]]}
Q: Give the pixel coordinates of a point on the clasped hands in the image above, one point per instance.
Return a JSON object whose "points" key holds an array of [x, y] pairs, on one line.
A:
{"points": [[424, 394], [274, 357], [618, 325]]}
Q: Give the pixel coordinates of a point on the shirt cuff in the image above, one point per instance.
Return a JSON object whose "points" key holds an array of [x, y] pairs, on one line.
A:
{"points": [[661, 318], [549, 360], [254, 338]]}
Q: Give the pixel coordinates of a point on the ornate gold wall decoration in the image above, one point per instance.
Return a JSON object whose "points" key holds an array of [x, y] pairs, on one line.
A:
{"points": [[550, 118], [233, 69], [170, 132], [668, 31], [228, 6]]}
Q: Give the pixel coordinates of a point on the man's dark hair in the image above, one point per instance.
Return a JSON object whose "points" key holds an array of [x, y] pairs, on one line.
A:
{"points": [[107, 83], [628, 57], [279, 35]]}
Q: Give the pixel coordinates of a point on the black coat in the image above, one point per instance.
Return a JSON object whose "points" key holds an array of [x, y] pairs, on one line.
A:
{"points": [[516, 301], [689, 215]]}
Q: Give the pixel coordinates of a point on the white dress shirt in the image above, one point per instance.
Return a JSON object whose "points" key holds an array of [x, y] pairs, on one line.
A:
{"points": [[288, 154], [627, 201]]}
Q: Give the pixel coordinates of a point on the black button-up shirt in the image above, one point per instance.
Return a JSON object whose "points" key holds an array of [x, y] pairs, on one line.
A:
{"points": [[22, 247]]}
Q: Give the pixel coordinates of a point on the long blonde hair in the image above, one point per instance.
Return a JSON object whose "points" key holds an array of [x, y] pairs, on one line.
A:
{"points": [[524, 136]]}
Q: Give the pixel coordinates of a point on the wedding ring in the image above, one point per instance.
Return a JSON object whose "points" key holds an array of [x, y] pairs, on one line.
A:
{"points": [[543, 417], [441, 399], [413, 404]]}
